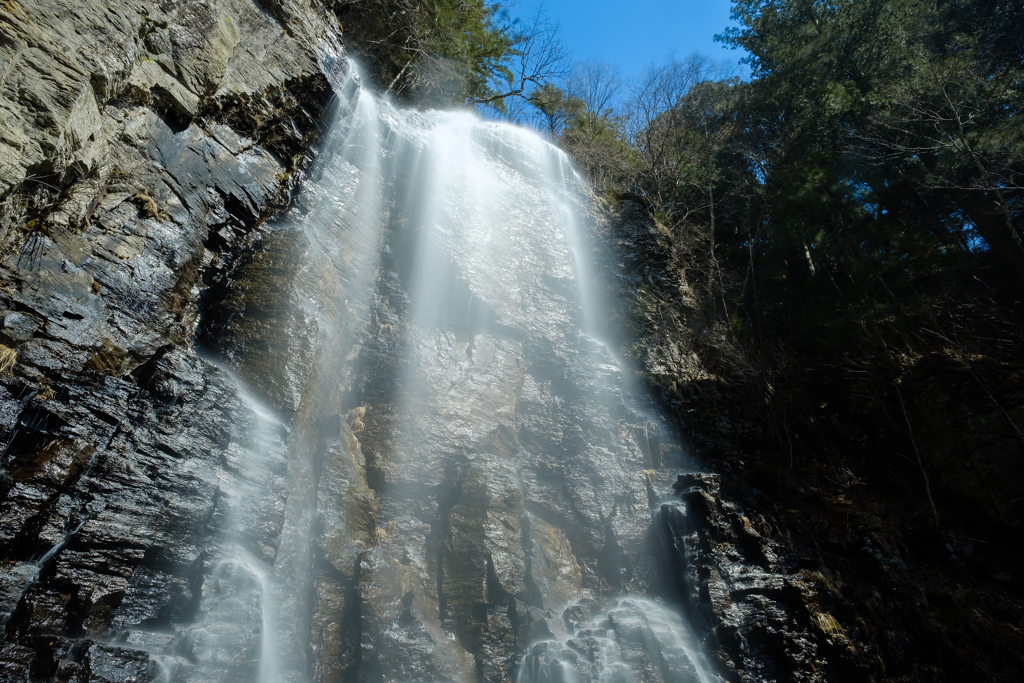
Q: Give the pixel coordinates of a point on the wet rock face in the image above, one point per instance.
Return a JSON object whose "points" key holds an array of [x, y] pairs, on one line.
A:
{"points": [[507, 456], [65, 69], [118, 515], [759, 608], [634, 639], [142, 144]]}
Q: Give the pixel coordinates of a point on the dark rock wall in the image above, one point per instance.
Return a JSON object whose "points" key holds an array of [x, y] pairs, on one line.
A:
{"points": [[144, 145], [746, 591]]}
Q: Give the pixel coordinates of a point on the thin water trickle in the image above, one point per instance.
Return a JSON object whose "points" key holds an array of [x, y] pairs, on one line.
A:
{"points": [[241, 600]]}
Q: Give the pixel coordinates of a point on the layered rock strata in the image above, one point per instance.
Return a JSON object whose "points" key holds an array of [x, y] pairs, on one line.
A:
{"points": [[143, 143], [757, 603]]}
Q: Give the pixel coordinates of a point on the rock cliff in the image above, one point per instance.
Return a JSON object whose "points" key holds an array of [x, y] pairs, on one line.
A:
{"points": [[141, 144]]}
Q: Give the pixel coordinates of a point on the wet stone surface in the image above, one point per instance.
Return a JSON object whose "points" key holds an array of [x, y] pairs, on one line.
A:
{"points": [[752, 603], [143, 143], [508, 458]]}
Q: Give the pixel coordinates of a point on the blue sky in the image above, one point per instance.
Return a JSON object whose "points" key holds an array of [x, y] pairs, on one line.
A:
{"points": [[635, 33]]}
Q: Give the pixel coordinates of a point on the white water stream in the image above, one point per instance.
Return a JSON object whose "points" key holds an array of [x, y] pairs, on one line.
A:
{"points": [[488, 209]]}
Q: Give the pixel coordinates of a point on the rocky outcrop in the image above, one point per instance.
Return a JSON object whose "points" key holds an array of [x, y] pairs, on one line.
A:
{"points": [[71, 76], [142, 144], [759, 603], [351, 489]]}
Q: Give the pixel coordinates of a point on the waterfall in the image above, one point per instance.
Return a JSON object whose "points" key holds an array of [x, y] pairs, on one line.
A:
{"points": [[475, 502]]}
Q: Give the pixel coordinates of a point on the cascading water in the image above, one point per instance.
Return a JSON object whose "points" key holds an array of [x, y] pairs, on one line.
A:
{"points": [[477, 505], [241, 599]]}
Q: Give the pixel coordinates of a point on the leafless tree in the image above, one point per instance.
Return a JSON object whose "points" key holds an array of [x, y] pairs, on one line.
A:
{"points": [[540, 57], [594, 83], [652, 123], [592, 90]]}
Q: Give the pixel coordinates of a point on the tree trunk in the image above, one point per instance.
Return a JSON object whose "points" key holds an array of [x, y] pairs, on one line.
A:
{"points": [[711, 204]]}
